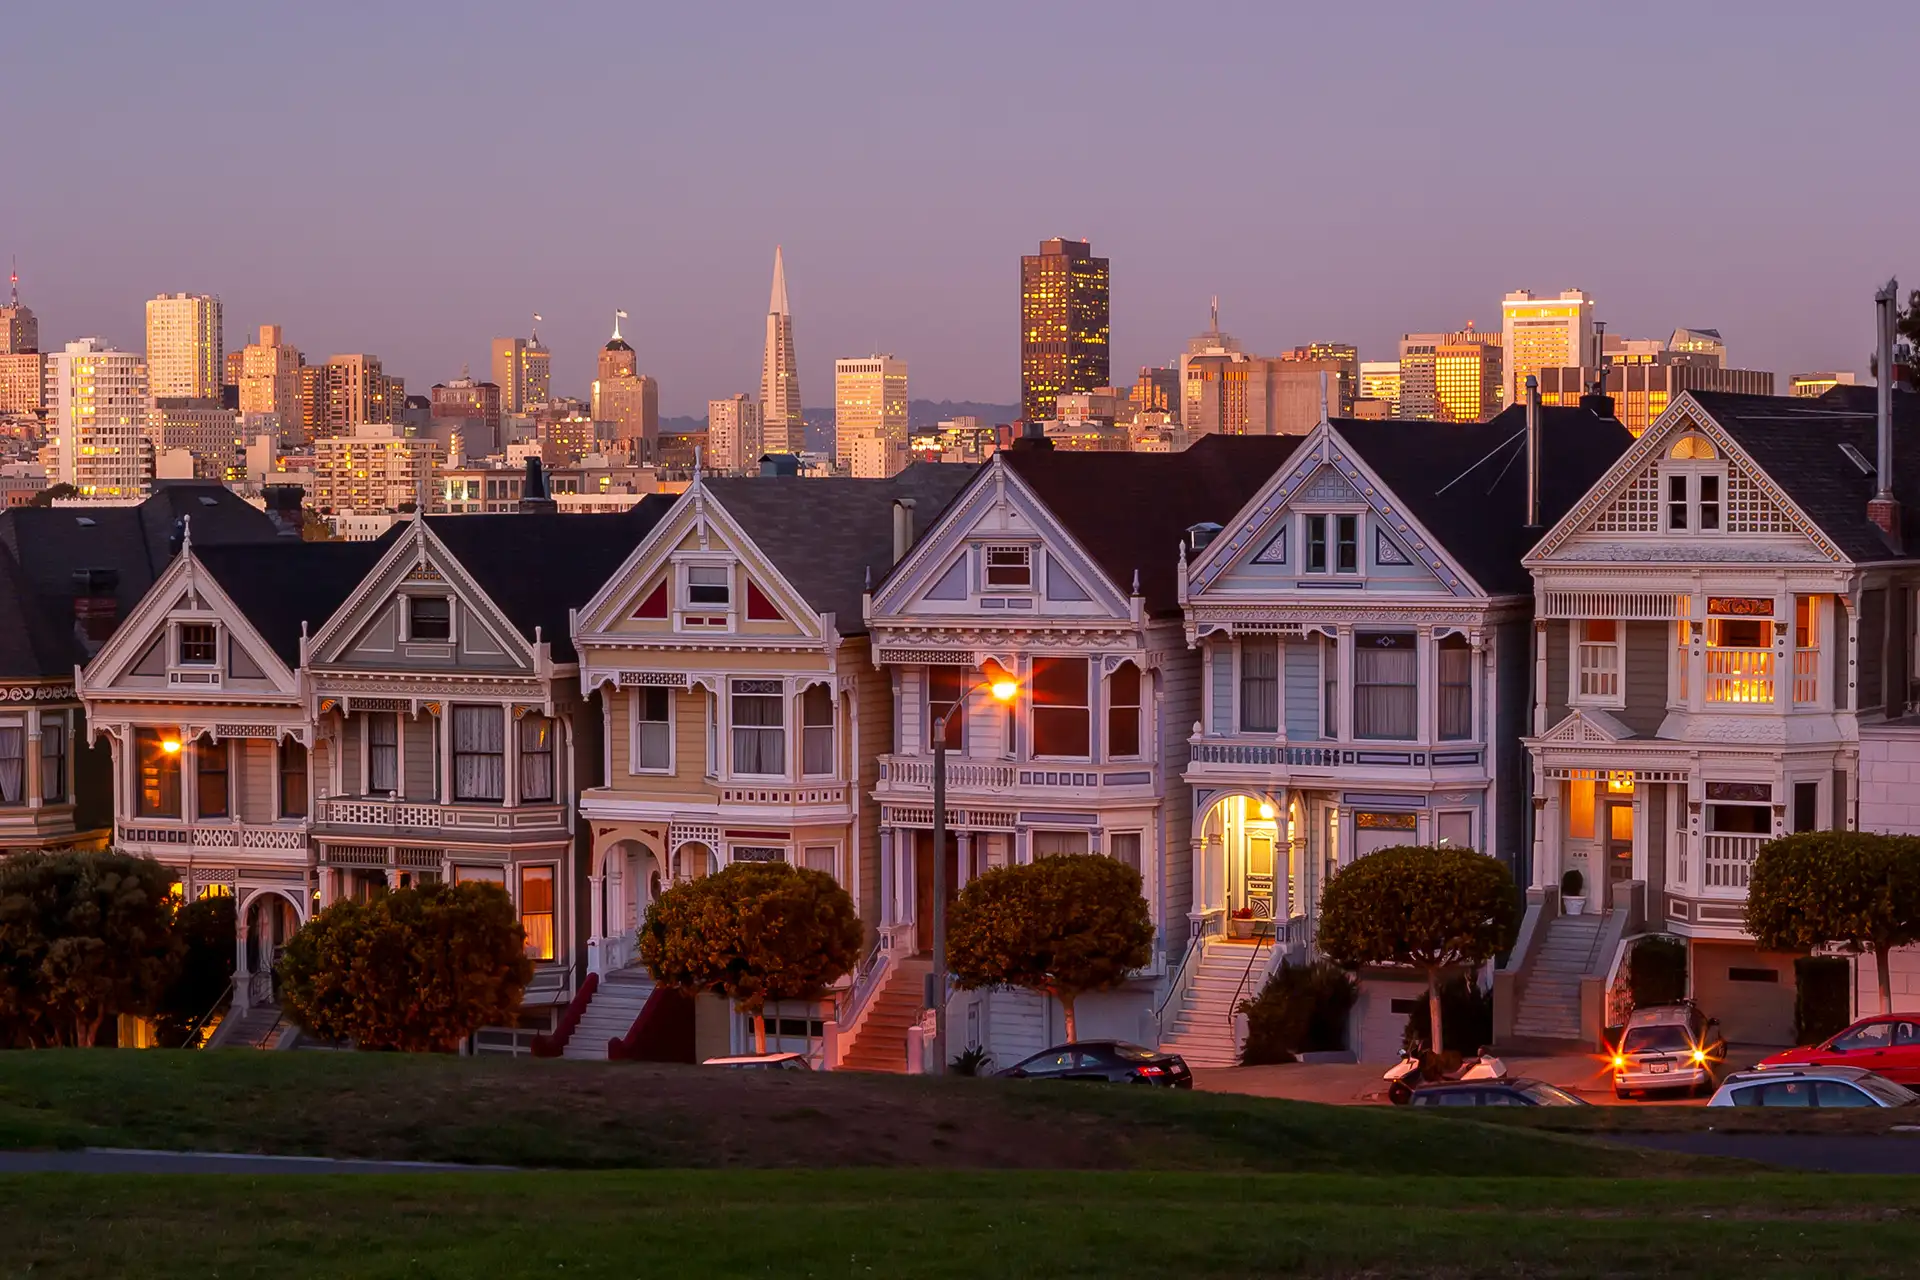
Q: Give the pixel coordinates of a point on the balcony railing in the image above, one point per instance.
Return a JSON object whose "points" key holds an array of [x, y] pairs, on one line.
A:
{"points": [[1741, 677], [242, 836], [401, 815], [1599, 670], [1729, 860], [907, 773], [1806, 677]]}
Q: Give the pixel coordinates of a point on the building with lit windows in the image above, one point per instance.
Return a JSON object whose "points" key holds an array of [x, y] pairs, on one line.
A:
{"points": [[1543, 333], [359, 392], [1646, 375], [870, 403], [1808, 385], [1157, 390], [470, 408], [23, 383], [19, 327], [270, 380], [1380, 380], [782, 428], [373, 470], [1064, 321], [523, 370], [213, 434], [627, 398], [733, 434], [97, 416], [186, 353], [1466, 377]]}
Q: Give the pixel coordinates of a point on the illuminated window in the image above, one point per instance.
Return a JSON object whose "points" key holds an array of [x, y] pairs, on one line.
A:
{"points": [[157, 792], [1061, 720], [536, 911]]}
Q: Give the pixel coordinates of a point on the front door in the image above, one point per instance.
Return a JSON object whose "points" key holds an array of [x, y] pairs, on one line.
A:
{"points": [[923, 886], [1619, 841]]}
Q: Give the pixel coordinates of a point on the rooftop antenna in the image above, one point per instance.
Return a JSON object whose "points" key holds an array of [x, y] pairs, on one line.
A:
{"points": [[1216, 312], [13, 279]]}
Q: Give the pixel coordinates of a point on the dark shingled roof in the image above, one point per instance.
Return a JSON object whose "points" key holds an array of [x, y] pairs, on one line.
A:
{"points": [[1797, 443], [32, 645], [1466, 482], [278, 586], [1131, 511], [827, 535], [538, 566]]}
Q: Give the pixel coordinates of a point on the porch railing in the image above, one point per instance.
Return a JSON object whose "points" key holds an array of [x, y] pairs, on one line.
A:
{"points": [[1740, 676], [1806, 677], [1261, 754], [1599, 669], [1729, 860], [961, 775]]}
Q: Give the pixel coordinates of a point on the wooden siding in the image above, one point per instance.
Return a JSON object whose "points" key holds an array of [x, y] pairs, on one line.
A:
{"points": [[1179, 685], [1873, 641], [416, 736], [1558, 639], [1511, 837], [252, 778], [873, 716], [1222, 652], [1657, 825], [1300, 661], [1645, 678]]}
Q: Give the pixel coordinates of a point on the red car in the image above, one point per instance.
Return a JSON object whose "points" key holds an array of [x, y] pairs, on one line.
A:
{"points": [[1887, 1045]]}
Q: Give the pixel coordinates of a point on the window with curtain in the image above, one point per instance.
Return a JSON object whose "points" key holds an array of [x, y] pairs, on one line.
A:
{"points": [[823, 858], [1330, 686], [1456, 688], [157, 794], [210, 778], [816, 731], [1123, 712], [759, 728], [13, 763], [536, 758], [429, 618], [1061, 723], [383, 753], [1385, 685], [653, 729], [53, 757], [947, 696], [1124, 847], [1260, 686], [479, 753], [1055, 844], [536, 911], [293, 780]]}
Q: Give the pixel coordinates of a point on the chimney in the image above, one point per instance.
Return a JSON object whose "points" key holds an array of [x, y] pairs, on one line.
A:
{"points": [[536, 498], [1200, 535], [1533, 452], [1884, 509], [96, 606], [1033, 436], [902, 528], [283, 508]]}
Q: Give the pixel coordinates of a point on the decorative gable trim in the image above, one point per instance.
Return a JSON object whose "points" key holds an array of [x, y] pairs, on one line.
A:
{"points": [[184, 584], [1587, 726]]}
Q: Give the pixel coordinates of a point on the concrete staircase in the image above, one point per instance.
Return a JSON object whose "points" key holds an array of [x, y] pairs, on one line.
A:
{"points": [[616, 1002], [881, 1042], [1549, 1007], [1203, 1027], [260, 1027]]}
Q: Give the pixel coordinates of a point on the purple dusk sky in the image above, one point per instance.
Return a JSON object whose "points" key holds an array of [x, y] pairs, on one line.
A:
{"points": [[413, 178]]}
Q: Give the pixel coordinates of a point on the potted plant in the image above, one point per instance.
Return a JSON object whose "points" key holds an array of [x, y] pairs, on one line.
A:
{"points": [[1240, 925], [1573, 892]]}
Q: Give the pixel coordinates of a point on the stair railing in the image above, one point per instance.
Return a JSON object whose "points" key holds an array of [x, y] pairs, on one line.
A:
{"points": [[851, 1001], [554, 1043], [196, 1030], [1262, 939], [1182, 982]]}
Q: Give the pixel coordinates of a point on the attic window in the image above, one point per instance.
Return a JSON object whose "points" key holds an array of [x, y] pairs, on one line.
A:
{"points": [[429, 618], [198, 644], [1693, 448], [1009, 567], [709, 584]]}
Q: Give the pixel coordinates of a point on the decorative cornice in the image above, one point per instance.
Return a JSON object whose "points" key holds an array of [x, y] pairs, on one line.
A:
{"points": [[23, 692]]}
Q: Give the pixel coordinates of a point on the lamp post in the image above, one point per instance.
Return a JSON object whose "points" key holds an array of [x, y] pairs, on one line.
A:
{"points": [[1000, 683]]}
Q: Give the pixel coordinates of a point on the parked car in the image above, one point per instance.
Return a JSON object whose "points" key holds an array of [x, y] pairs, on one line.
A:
{"points": [[1495, 1093], [1812, 1087], [763, 1062], [1887, 1045], [1668, 1046], [1115, 1061]]}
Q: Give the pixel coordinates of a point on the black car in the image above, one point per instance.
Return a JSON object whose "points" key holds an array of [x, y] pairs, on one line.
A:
{"points": [[1114, 1061], [1495, 1093]]}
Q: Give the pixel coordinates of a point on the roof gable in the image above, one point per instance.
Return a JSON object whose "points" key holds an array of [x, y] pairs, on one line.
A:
{"points": [[145, 657]]}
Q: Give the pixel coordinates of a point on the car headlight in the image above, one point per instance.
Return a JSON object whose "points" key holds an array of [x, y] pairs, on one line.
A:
{"points": [[1699, 1057]]}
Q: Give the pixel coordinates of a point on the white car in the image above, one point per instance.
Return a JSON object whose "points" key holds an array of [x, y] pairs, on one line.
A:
{"points": [[763, 1062], [1823, 1087]]}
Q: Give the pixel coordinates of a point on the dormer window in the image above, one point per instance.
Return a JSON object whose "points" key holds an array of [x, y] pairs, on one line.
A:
{"points": [[1693, 491], [199, 644], [1009, 568], [429, 618], [709, 586], [1333, 540]]}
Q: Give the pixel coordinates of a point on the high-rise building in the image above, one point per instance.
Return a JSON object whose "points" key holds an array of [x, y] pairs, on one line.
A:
{"points": [[870, 402], [625, 397], [1157, 390], [23, 384], [313, 401], [782, 428], [1467, 377], [213, 434], [1706, 346], [733, 434], [1543, 333], [470, 408], [523, 370], [372, 469], [19, 328], [97, 403], [1643, 389], [359, 391], [1064, 324], [1380, 380], [1818, 384], [186, 355], [1225, 390], [236, 364], [270, 380]]}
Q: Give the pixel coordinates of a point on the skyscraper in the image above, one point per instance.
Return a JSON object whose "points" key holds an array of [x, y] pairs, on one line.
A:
{"points": [[1063, 324], [23, 370], [98, 405], [1380, 380], [358, 391], [782, 430], [870, 403], [270, 379], [186, 354], [1467, 377], [19, 328], [1543, 333], [523, 370], [627, 398], [469, 408], [733, 434]]}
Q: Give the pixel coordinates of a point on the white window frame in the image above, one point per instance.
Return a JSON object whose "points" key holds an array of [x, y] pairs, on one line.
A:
{"points": [[177, 637], [1332, 567], [634, 766], [1576, 637], [1026, 550], [1108, 707], [682, 607], [834, 847], [1691, 470], [1108, 837], [784, 699], [1085, 833], [1441, 815], [406, 616], [785, 848], [1091, 707], [832, 726]]}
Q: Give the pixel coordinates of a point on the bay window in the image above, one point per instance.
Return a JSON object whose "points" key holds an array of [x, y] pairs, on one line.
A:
{"points": [[53, 758], [1597, 662], [947, 689], [383, 753], [536, 758], [759, 728], [1385, 685], [211, 798], [1456, 688], [536, 911], [816, 731], [1260, 686], [293, 780], [479, 754], [1124, 847], [1123, 713], [13, 763], [653, 730], [1057, 844], [157, 788], [1062, 725]]}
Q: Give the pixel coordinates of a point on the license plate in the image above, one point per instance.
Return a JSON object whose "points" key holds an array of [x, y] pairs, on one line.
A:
{"points": [[1658, 1067]]}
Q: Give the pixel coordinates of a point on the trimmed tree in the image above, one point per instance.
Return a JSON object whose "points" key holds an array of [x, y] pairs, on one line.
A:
{"points": [[1062, 926], [1854, 890], [1437, 910], [83, 937], [206, 934], [418, 970], [753, 932]]}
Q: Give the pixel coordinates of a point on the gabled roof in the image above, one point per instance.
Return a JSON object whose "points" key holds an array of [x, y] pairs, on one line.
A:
{"points": [[1466, 482], [278, 586], [1131, 510], [538, 566], [828, 536], [1797, 443]]}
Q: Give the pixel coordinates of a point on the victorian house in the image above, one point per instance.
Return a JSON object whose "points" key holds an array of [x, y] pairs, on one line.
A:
{"points": [[743, 719], [1061, 568], [1721, 625], [1362, 628]]}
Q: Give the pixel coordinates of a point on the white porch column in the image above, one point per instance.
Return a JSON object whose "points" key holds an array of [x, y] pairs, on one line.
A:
{"points": [[596, 923], [33, 786], [889, 913], [1427, 687], [963, 855], [242, 976], [510, 753], [1197, 910]]}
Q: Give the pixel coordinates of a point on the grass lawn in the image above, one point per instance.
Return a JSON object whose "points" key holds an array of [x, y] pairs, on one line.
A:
{"points": [[969, 1225], [558, 1114]]}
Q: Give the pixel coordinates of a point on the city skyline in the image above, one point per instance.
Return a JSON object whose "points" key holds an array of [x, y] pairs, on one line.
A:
{"points": [[924, 262]]}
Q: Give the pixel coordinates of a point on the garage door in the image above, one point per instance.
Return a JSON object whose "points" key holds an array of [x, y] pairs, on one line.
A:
{"points": [[1750, 991]]}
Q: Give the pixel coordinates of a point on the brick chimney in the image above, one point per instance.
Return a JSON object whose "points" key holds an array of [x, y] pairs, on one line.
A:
{"points": [[1883, 509], [96, 606]]}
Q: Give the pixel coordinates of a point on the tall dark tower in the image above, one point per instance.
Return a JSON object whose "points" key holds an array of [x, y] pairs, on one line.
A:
{"points": [[1063, 325]]}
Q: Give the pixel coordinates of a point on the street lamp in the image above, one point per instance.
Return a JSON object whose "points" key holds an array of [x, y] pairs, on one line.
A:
{"points": [[1000, 683]]}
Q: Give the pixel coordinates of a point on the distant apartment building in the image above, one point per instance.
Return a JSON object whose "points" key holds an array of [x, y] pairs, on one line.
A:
{"points": [[1064, 325], [523, 370], [733, 434], [1543, 333], [97, 417], [270, 379], [186, 354], [470, 408], [1809, 385], [870, 403], [358, 392], [1225, 391], [23, 383], [1157, 390], [214, 435], [1643, 391], [1474, 371], [1380, 380], [373, 470]]}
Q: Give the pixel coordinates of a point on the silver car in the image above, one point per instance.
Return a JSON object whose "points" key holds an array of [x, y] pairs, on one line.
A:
{"points": [[1668, 1046], [1812, 1087]]}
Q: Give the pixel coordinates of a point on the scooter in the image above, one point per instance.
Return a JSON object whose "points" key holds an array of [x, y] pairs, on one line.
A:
{"points": [[1405, 1075]]}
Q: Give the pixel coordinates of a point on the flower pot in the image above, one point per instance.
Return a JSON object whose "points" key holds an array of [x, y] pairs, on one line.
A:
{"points": [[1575, 906], [1240, 928]]}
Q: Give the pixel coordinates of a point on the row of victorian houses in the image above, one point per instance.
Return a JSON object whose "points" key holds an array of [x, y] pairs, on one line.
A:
{"points": [[1241, 667]]}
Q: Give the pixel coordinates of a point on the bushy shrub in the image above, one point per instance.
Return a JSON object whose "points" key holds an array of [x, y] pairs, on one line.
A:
{"points": [[206, 928], [1466, 1014], [1301, 1009], [1657, 971], [1853, 890], [1822, 997]]}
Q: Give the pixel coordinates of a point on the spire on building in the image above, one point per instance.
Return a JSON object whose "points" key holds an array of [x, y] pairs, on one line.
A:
{"points": [[13, 281], [533, 339], [781, 424], [778, 306]]}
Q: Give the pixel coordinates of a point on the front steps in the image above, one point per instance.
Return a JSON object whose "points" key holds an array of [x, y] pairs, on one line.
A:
{"points": [[881, 1042], [260, 1027], [616, 1003], [1549, 1005], [1202, 1031]]}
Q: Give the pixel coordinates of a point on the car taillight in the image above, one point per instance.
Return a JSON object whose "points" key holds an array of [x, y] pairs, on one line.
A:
{"points": [[1149, 1071]]}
